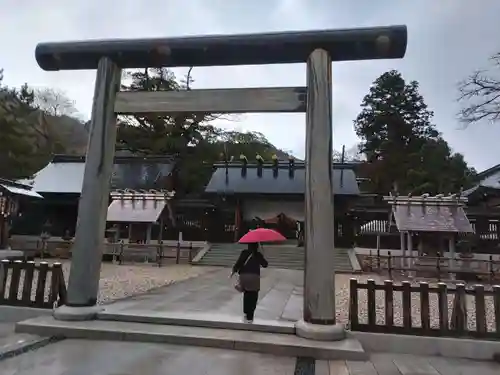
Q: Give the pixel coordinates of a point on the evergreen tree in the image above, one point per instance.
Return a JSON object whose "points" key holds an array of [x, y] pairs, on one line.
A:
{"points": [[161, 134], [404, 150], [16, 137], [392, 125]]}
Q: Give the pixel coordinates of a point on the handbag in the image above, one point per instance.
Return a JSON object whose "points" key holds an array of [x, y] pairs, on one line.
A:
{"points": [[237, 285]]}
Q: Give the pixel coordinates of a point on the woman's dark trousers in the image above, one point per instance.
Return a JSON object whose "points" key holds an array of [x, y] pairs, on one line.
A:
{"points": [[250, 303]]}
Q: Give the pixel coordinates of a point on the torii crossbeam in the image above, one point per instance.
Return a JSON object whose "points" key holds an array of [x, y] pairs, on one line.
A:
{"points": [[316, 48]]}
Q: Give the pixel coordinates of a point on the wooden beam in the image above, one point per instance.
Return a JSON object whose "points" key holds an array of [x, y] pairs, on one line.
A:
{"points": [[268, 99], [222, 50]]}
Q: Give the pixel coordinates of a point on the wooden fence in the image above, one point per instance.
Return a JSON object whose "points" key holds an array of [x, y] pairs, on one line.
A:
{"points": [[29, 284], [437, 266], [425, 310], [121, 251]]}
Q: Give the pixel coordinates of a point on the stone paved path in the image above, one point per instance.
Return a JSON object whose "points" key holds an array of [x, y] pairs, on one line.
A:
{"points": [[280, 296], [78, 357]]}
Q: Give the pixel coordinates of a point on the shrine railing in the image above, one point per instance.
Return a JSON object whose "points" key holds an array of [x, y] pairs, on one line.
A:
{"points": [[438, 267], [160, 251], [425, 309], [30, 284]]}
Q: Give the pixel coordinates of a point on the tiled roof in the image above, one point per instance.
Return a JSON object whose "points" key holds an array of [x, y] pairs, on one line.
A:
{"points": [[65, 174], [231, 180]]}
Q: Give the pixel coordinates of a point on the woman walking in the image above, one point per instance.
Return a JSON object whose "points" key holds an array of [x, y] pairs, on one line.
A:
{"points": [[248, 267]]}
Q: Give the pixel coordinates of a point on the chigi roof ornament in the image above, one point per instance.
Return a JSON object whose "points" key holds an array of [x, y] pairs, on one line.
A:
{"points": [[141, 195], [291, 166], [275, 165], [260, 164], [244, 161], [427, 200]]}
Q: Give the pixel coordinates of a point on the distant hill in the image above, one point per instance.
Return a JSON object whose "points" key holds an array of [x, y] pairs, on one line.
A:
{"points": [[70, 132], [73, 136]]}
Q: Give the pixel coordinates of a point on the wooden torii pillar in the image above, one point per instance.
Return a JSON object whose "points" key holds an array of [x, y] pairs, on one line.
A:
{"points": [[316, 48]]}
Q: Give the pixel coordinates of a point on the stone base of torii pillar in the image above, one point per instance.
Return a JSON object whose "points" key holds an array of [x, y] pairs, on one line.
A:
{"points": [[320, 332], [77, 313]]}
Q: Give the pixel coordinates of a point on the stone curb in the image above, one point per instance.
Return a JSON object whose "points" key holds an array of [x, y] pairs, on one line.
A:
{"points": [[31, 345]]}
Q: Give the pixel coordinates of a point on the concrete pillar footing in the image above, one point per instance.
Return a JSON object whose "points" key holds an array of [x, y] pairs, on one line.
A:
{"points": [[79, 313], [319, 332]]}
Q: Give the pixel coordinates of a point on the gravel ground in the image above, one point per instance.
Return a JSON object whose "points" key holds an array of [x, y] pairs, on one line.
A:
{"points": [[342, 294], [120, 281]]}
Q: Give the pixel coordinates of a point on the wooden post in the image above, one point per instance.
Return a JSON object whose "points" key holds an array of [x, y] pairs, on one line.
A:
{"points": [[148, 233], [443, 308], [129, 232], [403, 248], [353, 304], [160, 231], [3, 230], [420, 246], [496, 307], [409, 254], [451, 264], [319, 277], [89, 239], [178, 253], [237, 221], [116, 234]]}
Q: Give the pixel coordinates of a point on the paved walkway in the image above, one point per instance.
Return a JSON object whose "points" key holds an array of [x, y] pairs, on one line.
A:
{"points": [[280, 296], [78, 357]]}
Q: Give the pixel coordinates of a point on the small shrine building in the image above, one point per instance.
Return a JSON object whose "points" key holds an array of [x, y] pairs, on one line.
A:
{"points": [[433, 223]]}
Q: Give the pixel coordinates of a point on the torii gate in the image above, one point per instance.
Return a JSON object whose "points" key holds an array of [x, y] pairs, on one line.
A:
{"points": [[317, 48]]}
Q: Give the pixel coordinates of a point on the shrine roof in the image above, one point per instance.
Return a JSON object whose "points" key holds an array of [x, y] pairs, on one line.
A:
{"points": [[64, 174], [16, 188], [285, 179], [430, 214], [129, 206]]}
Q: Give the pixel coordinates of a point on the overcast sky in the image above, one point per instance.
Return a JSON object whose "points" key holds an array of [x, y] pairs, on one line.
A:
{"points": [[448, 39]]}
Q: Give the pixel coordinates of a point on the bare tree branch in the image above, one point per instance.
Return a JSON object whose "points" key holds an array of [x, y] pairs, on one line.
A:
{"points": [[481, 91], [54, 102]]}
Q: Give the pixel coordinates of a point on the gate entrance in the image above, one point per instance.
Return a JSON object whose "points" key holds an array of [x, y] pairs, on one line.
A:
{"points": [[316, 48]]}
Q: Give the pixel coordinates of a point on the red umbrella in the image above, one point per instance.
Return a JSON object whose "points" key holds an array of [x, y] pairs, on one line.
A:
{"points": [[262, 235]]}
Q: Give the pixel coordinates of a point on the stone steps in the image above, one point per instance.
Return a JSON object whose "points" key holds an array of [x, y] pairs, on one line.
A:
{"points": [[200, 320], [237, 339], [278, 256]]}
